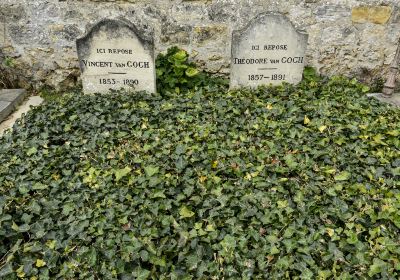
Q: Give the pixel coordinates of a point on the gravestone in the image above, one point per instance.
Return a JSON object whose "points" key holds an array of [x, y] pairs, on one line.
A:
{"points": [[115, 55], [269, 50]]}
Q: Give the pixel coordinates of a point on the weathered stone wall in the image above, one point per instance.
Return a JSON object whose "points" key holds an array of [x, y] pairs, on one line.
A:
{"points": [[351, 37]]}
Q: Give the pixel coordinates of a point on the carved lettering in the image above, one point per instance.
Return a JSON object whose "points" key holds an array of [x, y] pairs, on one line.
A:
{"points": [[269, 50], [100, 64], [114, 56], [119, 51]]}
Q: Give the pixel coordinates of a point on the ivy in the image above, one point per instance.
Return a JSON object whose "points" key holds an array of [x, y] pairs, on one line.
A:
{"points": [[175, 74], [277, 182]]}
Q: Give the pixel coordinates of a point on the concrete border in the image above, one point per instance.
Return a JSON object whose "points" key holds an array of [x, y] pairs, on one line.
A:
{"points": [[9, 100], [392, 100]]}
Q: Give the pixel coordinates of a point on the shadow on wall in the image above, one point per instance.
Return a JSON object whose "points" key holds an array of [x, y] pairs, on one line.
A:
{"points": [[8, 79]]}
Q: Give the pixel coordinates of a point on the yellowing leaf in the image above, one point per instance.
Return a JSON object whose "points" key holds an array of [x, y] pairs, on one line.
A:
{"points": [[330, 171], [40, 263], [185, 212], [202, 179], [394, 132], [214, 164], [120, 173], [283, 203], [342, 176], [306, 120], [51, 244], [322, 128], [330, 231], [275, 250], [378, 139], [210, 228], [20, 272], [269, 106]]}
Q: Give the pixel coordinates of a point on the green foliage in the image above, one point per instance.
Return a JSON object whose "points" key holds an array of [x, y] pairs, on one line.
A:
{"points": [[377, 85], [274, 183], [7, 78], [175, 74]]}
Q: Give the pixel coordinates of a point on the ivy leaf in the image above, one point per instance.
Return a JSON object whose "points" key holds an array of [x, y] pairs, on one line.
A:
{"points": [[6, 270], [151, 170], [342, 176], [185, 212], [31, 151], [40, 263], [322, 128], [365, 89], [376, 267], [191, 72], [141, 273], [15, 226], [39, 186], [181, 55], [290, 161], [275, 250], [120, 173], [330, 231]]}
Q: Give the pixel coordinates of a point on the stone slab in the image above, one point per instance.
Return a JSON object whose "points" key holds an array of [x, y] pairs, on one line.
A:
{"points": [[393, 100], [5, 109], [12, 95], [9, 100], [115, 55], [269, 50]]}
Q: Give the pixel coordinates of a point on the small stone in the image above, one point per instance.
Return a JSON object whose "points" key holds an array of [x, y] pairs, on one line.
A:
{"points": [[204, 34], [373, 14], [215, 57], [176, 34]]}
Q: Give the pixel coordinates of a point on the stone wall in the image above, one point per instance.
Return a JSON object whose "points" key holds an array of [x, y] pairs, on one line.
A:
{"points": [[351, 37]]}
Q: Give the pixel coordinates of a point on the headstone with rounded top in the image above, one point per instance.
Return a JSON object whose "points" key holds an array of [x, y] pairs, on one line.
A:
{"points": [[269, 50], [115, 55]]}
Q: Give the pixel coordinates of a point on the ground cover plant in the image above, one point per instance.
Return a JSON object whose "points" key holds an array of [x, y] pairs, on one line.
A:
{"points": [[286, 182]]}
